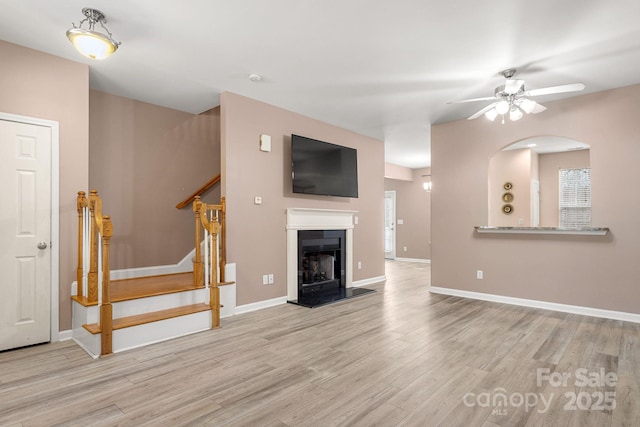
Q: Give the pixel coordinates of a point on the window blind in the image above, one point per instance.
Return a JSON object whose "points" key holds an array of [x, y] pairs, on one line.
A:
{"points": [[575, 198]]}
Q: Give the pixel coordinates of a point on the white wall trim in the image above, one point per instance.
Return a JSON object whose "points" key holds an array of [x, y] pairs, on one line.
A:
{"points": [[65, 335], [564, 308], [420, 260], [369, 281], [55, 213], [86, 349], [184, 266], [246, 308]]}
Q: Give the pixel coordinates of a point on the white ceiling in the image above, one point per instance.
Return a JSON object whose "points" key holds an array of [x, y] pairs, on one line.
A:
{"points": [[385, 69]]}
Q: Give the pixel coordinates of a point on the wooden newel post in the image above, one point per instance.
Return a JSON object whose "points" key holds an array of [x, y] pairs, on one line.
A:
{"points": [[214, 301], [81, 204], [106, 311], [197, 262], [93, 255]]}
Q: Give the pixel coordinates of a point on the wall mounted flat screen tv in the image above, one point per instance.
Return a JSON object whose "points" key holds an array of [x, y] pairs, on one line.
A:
{"points": [[322, 168]]}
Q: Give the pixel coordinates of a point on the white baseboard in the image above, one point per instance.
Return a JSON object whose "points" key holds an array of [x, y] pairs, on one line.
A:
{"points": [[246, 308], [420, 260], [184, 266], [368, 281], [82, 345], [65, 335], [564, 308]]}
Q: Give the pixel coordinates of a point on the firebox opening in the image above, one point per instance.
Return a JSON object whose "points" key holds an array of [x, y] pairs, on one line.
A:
{"points": [[322, 268]]}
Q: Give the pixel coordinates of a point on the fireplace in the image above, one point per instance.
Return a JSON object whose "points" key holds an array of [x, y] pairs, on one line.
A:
{"points": [[320, 256], [321, 262]]}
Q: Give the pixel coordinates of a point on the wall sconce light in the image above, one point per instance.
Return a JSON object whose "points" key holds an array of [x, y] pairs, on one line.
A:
{"points": [[89, 42], [427, 184]]}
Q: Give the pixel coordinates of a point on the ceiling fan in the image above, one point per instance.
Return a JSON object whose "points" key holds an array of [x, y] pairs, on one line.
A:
{"points": [[512, 98]]}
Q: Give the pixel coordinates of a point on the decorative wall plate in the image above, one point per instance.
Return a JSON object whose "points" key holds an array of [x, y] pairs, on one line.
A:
{"points": [[507, 186], [507, 197], [507, 209]]}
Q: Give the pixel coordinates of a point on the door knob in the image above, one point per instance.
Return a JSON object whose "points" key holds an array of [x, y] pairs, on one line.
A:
{"points": [[42, 245]]}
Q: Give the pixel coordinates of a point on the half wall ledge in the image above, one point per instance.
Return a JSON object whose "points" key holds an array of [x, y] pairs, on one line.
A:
{"points": [[584, 231]]}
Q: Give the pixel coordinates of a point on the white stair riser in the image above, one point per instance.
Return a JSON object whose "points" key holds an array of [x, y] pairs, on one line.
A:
{"points": [[89, 342], [157, 303], [228, 300], [83, 315], [149, 333]]}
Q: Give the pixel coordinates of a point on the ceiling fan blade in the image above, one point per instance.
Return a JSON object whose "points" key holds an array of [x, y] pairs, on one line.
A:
{"points": [[481, 112], [538, 108], [512, 87], [486, 98], [574, 87]]}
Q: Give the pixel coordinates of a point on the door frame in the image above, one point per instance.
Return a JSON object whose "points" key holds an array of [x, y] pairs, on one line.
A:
{"points": [[394, 226], [54, 126]]}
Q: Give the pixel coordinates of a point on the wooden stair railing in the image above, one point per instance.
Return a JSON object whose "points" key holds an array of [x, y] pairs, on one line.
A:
{"points": [[94, 242], [213, 181], [210, 272], [94, 237]]}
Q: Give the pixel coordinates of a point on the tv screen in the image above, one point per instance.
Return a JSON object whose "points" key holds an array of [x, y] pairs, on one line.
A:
{"points": [[322, 168]]}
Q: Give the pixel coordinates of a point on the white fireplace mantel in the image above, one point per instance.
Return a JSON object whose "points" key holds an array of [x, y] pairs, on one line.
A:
{"points": [[316, 219]]}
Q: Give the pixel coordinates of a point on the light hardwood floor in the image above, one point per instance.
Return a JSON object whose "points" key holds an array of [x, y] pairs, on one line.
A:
{"points": [[400, 357]]}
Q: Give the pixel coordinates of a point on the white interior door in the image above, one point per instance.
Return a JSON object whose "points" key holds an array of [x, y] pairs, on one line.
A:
{"points": [[390, 224], [25, 233]]}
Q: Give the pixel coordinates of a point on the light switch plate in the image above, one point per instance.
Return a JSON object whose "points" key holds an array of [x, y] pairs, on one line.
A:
{"points": [[265, 142]]}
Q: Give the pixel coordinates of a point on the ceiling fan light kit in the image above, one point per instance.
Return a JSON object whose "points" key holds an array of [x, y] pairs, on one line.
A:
{"points": [[515, 113], [512, 98], [527, 105], [491, 114], [502, 107], [91, 43]]}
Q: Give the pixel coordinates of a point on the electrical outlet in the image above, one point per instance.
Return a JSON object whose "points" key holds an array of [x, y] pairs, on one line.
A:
{"points": [[265, 279], [479, 274], [359, 265], [405, 249], [271, 279]]}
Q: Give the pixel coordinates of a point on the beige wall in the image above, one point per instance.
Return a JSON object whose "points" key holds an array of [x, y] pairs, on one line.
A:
{"points": [[512, 166], [550, 164], [600, 272], [413, 207], [43, 86], [144, 159], [398, 172], [256, 233]]}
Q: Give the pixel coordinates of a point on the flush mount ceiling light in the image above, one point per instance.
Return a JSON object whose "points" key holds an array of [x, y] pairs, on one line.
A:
{"points": [[511, 98], [89, 42]]}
